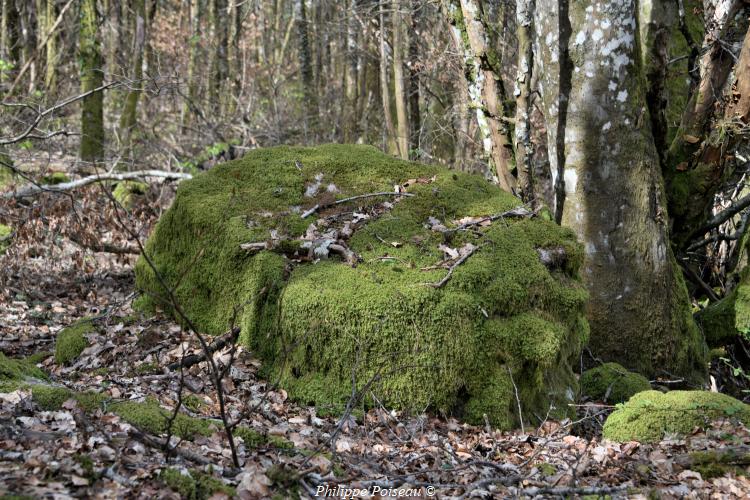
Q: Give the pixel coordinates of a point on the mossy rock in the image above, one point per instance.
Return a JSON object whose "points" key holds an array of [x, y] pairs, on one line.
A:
{"points": [[649, 415], [613, 383], [503, 318], [71, 341], [126, 192]]}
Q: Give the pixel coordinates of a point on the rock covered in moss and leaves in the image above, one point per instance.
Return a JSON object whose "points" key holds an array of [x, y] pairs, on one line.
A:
{"points": [[71, 341], [428, 300], [612, 382], [650, 415]]}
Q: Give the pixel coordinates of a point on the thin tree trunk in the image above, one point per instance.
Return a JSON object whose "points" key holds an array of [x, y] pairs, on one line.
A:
{"points": [[219, 65], [415, 119], [593, 93], [485, 87], [522, 136], [398, 78], [129, 117], [193, 83], [350, 84], [92, 77], [307, 78], [50, 77], [385, 93]]}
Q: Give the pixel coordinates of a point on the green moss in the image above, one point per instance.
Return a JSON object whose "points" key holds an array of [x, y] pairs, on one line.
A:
{"points": [[193, 402], [194, 484], [452, 349], [149, 416], [71, 341], [126, 192], [54, 178], [87, 464], [251, 437], [19, 369], [649, 415], [5, 233], [613, 383], [50, 398], [716, 463]]}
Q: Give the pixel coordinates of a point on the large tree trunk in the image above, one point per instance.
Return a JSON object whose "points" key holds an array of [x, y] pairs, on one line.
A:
{"points": [[594, 100], [92, 109]]}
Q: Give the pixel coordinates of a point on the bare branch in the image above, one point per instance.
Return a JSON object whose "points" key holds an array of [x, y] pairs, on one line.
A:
{"points": [[32, 190]]}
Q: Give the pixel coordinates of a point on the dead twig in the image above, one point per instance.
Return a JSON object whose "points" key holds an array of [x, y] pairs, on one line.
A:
{"points": [[453, 267], [188, 361], [307, 213]]}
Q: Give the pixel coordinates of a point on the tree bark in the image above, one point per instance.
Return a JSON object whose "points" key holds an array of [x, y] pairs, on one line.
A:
{"points": [[522, 92], [399, 91], [593, 97], [485, 86], [129, 116], [219, 62], [385, 93], [92, 77], [307, 77], [193, 83], [415, 119]]}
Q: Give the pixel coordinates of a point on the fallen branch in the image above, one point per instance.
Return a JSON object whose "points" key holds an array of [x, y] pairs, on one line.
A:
{"points": [[307, 213], [216, 345], [723, 216], [453, 267], [99, 246], [32, 190], [519, 211]]}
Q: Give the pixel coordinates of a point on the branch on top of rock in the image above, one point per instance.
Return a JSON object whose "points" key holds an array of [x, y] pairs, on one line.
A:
{"points": [[307, 213]]}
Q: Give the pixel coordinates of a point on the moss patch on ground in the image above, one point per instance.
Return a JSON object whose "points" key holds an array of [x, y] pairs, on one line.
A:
{"points": [[19, 369], [613, 383], [71, 341], [502, 319], [649, 415], [194, 484], [149, 416]]}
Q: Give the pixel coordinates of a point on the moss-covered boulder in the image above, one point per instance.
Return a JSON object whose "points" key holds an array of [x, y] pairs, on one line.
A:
{"points": [[612, 382], [511, 312], [649, 415], [722, 321], [71, 341]]}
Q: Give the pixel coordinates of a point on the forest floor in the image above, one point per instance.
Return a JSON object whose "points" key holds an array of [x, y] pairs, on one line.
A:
{"points": [[49, 282]]}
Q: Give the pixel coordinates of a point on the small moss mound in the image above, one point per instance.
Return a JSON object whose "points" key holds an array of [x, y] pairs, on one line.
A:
{"points": [[611, 382], [503, 318], [5, 234], [54, 178], [194, 484], [149, 416], [649, 415], [126, 192], [71, 341]]}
